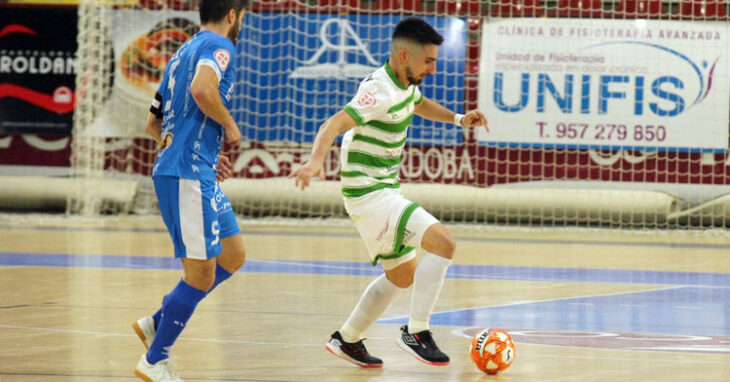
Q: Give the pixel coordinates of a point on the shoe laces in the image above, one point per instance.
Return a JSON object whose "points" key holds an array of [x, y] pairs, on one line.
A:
{"points": [[426, 338], [358, 347]]}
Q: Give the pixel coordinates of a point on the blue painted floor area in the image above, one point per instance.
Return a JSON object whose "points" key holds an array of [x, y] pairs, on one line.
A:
{"points": [[171, 263], [678, 310], [691, 302], [457, 271], [620, 276]]}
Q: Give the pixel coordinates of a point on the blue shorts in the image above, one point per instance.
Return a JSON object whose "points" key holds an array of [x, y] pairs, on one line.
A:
{"points": [[197, 214]]}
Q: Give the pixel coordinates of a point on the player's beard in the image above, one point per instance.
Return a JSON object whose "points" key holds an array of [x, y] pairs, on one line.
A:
{"points": [[235, 31], [412, 79]]}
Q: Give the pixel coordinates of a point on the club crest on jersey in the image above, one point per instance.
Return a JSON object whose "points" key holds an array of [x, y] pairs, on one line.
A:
{"points": [[366, 100], [223, 57], [394, 152]]}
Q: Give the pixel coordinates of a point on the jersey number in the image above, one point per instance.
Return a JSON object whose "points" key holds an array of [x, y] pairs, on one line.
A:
{"points": [[216, 230], [171, 84]]}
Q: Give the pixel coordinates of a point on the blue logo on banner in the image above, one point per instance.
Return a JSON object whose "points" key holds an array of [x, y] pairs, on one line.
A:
{"points": [[668, 91], [296, 70]]}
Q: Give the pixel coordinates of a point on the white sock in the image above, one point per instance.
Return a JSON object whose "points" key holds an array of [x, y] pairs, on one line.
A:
{"points": [[427, 284], [374, 301]]}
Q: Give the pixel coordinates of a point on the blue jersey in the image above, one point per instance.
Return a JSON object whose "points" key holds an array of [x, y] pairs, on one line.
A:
{"points": [[192, 140]]}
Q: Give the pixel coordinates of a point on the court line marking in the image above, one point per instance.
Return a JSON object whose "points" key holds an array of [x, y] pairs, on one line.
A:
{"points": [[690, 348], [373, 345], [650, 359], [459, 271], [309, 264], [14, 306], [355, 268], [193, 339], [353, 235], [111, 334], [197, 310], [135, 378], [60, 375], [516, 303], [459, 332]]}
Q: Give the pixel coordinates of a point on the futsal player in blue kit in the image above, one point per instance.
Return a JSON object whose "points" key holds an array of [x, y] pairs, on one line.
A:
{"points": [[189, 118]]}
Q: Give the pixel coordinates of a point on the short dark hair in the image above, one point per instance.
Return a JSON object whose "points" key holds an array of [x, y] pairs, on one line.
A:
{"points": [[213, 11], [417, 30]]}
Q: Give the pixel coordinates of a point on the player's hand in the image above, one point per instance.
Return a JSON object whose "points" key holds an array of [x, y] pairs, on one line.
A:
{"points": [[305, 173], [233, 135], [225, 170], [475, 118]]}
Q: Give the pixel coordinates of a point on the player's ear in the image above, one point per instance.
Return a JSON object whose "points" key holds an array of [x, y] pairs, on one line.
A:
{"points": [[403, 56], [232, 16]]}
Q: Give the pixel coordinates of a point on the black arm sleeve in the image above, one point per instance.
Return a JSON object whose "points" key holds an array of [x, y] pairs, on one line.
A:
{"points": [[156, 107]]}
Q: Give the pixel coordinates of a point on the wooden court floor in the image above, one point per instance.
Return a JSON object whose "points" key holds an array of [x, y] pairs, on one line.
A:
{"points": [[582, 306]]}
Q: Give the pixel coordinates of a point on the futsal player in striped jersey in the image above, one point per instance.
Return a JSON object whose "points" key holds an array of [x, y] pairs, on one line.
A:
{"points": [[376, 122], [190, 118]]}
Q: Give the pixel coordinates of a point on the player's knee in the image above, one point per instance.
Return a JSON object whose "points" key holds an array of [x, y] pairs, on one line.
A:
{"points": [[439, 241], [239, 259], [447, 245], [208, 282], [450, 244], [233, 255], [203, 283], [202, 279], [402, 276], [401, 280]]}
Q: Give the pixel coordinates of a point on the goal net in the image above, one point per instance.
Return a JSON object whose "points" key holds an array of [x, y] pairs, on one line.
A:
{"points": [[607, 114]]}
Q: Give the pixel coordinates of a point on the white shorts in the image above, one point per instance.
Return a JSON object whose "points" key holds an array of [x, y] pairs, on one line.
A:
{"points": [[391, 225]]}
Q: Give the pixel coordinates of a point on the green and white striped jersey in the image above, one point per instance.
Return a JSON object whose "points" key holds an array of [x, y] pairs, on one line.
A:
{"points": [[371, 152]]}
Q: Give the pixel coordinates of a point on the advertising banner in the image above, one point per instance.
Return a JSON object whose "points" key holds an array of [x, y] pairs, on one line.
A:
{"points": [[141, 43], [608, 84], [298, 69], [293, 70], [37, 70]]}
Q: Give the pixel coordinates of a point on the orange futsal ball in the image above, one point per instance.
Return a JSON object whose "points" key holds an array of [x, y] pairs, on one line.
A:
{"points": [[492, 350]]}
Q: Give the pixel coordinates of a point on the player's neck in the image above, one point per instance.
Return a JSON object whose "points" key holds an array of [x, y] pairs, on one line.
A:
{"points": [[221, 28], [399, 72]]}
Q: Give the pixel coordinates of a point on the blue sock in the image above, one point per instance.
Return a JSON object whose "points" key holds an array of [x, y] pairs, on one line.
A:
{"points": [[177, 307], [221, 275]]}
